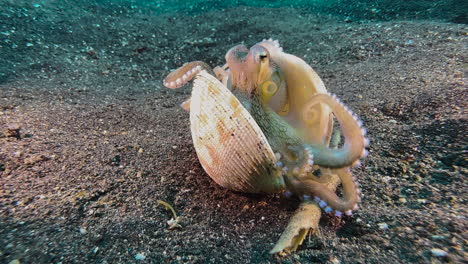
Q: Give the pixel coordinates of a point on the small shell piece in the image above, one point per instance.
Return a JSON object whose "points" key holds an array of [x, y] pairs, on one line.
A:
{"points": [[230, 145]]}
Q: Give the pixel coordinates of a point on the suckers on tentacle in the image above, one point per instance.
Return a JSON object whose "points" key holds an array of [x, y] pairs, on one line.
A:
{"points": [[185, 73], [296, 158], [326, 199], [283, 138], [355, 140], [254, 71]]}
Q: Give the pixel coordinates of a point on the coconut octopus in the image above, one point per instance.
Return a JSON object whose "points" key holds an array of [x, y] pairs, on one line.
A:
{"points": [[263, 123]]}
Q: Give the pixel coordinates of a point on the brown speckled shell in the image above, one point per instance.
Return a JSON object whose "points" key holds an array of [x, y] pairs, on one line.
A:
{"points": [[230, 145]]}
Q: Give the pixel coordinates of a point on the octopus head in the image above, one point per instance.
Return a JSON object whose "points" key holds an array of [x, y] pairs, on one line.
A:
{"points": [[252, 69]]}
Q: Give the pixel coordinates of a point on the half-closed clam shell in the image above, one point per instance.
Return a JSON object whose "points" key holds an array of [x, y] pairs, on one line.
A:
{"points": [[230, 145]]}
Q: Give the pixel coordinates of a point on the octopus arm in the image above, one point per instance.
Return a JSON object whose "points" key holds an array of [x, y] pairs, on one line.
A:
{"points": [[355, 140], [182, 75], [302, 84], [326, 198]]}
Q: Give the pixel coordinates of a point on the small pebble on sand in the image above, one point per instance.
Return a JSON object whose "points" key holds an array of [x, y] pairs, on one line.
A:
{"points": [[436, 252], [140, 256], [383, 226]]}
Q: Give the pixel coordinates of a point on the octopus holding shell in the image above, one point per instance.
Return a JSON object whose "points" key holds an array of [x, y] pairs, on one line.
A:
{"points": [[264, 123]]}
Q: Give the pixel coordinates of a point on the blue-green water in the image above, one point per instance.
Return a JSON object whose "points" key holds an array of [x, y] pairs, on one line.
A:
{"points": [[450, 10]]}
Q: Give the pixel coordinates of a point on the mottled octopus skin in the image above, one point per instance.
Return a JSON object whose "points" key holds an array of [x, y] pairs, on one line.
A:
{"points": [[247, 72], [354, 134], [210, 123], [327, 199], [302, 83], [281, 136]]}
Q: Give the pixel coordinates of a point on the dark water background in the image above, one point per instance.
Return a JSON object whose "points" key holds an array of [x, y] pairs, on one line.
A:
{"points": [[449, 10]]}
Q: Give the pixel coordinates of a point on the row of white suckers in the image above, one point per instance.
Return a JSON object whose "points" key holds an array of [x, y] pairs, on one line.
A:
{"points": [[185, 78]]}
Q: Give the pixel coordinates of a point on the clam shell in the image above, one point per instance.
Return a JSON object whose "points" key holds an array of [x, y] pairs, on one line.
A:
{"points": [[230, 145]]}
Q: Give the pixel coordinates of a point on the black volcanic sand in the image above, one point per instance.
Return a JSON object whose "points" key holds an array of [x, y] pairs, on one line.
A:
{"points": [[90, 139]]}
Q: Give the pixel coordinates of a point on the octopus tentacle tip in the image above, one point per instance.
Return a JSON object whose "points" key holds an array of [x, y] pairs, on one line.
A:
{"points": [[288, 194], [349, 213], [366, 142], [357, 164], [364, 131], [322, 203], [364, 153], [328, 209], [306, 197], [184, 74], [338, 213]]}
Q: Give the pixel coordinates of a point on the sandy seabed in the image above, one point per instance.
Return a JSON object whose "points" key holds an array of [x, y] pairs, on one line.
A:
{"points": [[90, 139]]}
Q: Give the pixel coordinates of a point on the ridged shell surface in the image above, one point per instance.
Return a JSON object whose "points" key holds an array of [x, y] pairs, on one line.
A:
{"points": [[230, 145]]}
